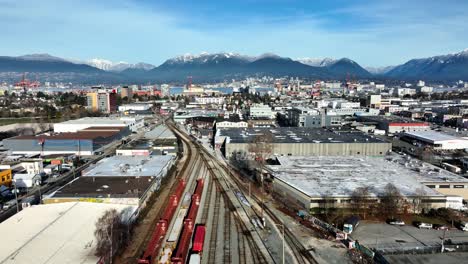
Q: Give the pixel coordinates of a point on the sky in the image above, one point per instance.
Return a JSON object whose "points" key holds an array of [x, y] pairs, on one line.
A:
{"points": [[371, 32]]}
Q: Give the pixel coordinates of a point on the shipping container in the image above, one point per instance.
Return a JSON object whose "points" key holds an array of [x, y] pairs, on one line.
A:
{"points": [[195, 259], [199, 239], [177, 227], [186, 200]]}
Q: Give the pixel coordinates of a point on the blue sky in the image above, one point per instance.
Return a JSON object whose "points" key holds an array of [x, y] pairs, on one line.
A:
{"points": [[374, 33]]}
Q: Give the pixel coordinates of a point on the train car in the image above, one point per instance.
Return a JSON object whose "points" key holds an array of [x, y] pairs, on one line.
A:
{"points": [[177, 227], [179, 255], [186, 201], [194, 205], [199, 239], [199, 188], [154, 243], [165, 256], [195, 259]]}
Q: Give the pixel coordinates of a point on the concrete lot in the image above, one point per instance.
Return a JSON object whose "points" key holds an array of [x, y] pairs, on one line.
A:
{"points": [[384, 236], [446, 258]]}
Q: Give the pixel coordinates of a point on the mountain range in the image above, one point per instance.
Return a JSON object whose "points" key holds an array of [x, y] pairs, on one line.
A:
{"points": [[206, 67]]}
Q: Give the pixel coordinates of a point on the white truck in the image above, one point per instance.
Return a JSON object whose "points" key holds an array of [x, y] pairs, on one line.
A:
{"points": [[464, 226]]}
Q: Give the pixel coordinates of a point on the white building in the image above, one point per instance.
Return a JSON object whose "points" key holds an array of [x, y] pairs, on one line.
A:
{"points": [[298, 115], [438, 141], [209, 100], [72, 126], [261, 111], [134, 107]]}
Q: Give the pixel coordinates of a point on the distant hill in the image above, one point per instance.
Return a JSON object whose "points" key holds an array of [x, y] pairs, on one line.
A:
{"points": [[206, 67], [49, 68], [451, 67]]}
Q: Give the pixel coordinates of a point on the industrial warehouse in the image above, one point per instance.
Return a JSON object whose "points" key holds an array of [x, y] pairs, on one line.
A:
{"points": [[118, 180], [299, 141], [307, 181], [83, 142], [55, 233]]}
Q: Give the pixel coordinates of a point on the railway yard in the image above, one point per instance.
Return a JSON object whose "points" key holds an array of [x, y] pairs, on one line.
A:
{"points": [[209, 217]]}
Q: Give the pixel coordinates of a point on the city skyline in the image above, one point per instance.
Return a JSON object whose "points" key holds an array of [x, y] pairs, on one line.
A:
{"points": [[374, 33]]}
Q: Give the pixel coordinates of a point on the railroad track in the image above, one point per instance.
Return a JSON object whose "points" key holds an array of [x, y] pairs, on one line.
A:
{"points": [[249, 249]]}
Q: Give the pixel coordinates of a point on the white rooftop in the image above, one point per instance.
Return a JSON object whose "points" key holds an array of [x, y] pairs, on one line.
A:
{"points": [[129, 166], [339, 176], [53, 233], [160, 132], [433, 136]]}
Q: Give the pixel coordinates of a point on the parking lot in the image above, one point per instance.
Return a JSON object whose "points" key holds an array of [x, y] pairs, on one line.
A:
{"points": [[386, 237]]}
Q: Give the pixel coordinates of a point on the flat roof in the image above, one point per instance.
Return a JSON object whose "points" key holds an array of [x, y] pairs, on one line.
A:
{"points": [[105, 187], [53, 233], [339, 176], [128, 166], [392, 119], [82, 134], [299, 135], [96, 121], [433, 137], [160, 132]]}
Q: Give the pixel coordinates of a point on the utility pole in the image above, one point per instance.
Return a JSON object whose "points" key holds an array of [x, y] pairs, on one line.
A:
{"points": [[16, 196]]}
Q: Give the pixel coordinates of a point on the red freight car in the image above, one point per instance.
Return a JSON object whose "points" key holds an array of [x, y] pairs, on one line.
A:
{"points": [[179, 256], [161, 227], [192, 214], [199, 239], [199, 188], [155, 242]]}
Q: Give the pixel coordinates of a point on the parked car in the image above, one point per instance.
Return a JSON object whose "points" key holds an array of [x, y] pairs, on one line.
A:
{"points": [[425, 225], [396, 222], [9, 204], [440, 227]]}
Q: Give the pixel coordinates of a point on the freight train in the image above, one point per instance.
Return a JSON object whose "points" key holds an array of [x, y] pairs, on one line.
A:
{"points": [[161, 227]]}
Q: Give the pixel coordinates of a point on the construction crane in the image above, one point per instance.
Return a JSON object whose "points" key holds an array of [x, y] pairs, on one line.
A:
{"points": [[25, 83]]}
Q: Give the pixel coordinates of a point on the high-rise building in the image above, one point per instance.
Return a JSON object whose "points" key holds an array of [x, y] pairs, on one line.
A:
{"points": [[102, 101], [126, 91]]}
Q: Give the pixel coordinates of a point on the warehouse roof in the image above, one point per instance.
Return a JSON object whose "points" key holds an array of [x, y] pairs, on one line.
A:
{"points": [[96, 121], [339, 176], [53, 233], [160, 132], [129, 166], [432, 136], [82, 134], [105, 187], [391, 119], [299, 135]]}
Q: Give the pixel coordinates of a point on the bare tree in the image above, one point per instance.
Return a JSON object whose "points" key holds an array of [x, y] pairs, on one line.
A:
{"points": [[360, 200], [391, 200], [418, 204], [261, 149], [112, 232]]}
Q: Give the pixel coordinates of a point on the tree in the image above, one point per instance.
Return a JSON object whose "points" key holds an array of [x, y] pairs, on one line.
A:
{"points": [[112, 232], [360, 200], [418, 205], [261, 149], [391, 200]]}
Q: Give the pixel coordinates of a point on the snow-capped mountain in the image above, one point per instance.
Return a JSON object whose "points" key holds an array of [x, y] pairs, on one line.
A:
{"points": [[452, 66], [205, 57], [108, 65], [317, 62]]}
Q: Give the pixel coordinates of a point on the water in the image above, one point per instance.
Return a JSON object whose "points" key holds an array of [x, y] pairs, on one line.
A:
{"points": [[223, 90]]}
